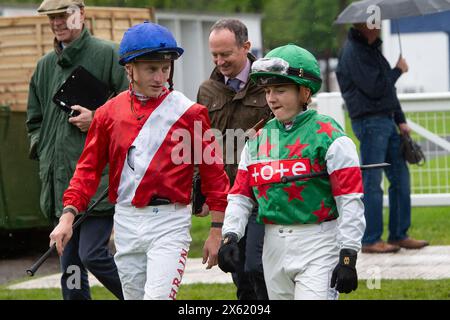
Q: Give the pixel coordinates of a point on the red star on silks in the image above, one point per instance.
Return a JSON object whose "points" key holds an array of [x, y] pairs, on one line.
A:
{"points": [[267, 221], [264, 149], [326, 127], [262, 191], [316, 167], [251, 134], [294, 192], [258, 133], [322, 213], [296, 148]]}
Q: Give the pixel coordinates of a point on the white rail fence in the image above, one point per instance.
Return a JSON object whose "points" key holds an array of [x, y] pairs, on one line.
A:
{"points": [[428, 115]]}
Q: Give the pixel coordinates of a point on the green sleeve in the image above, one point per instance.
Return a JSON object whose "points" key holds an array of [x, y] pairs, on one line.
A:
{"points": [[34, 118]]}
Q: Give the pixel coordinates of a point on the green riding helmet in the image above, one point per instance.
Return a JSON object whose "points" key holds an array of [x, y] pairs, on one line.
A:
{"points": [[286, 65]]}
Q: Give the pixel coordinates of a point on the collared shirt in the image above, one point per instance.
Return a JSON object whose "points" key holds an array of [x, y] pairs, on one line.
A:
{"points": [[243, 75]]}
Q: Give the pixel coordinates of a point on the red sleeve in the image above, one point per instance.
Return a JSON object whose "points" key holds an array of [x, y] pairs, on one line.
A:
{"points": [[242, 186], [88, 172], [346, 181], [215, 182]]}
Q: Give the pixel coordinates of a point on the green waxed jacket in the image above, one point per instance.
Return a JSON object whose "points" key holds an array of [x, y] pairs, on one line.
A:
{"points": [[55, 142]]}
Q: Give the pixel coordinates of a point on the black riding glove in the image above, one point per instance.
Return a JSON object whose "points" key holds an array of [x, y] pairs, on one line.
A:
{"points": [[344, 275], [229, 253]]}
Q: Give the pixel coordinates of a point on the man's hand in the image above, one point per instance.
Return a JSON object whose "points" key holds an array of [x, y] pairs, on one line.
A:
{"points": [[402, 65], [83, 120], [404, 129], [62, 232], [204, 212], [344, 277], [211, 247], [229, 253]]}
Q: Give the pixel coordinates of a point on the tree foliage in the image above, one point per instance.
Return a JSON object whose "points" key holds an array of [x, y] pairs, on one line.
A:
{"points": [[308, 23]]}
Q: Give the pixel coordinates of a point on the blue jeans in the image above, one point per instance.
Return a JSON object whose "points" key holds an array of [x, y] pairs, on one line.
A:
{"points": [[88, 250], [380, 142]]}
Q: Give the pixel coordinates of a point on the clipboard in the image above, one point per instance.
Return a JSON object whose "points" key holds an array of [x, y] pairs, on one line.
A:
{"points": [[81, 88], [198, 199]]}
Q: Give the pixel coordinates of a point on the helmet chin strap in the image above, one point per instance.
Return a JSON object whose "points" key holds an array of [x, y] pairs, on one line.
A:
{"points": [[305, 104], [131, 80], [132, 93], [170, 80]]}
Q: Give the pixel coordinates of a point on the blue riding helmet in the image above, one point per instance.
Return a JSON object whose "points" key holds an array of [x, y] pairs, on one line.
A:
{"points": [[148, 41]]}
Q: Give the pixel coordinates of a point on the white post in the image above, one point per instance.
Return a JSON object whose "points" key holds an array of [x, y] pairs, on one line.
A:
{"points": [[331, 104]]}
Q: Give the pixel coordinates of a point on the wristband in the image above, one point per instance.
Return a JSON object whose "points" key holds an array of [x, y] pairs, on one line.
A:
{"points": [[71, 210], [216, 224]]}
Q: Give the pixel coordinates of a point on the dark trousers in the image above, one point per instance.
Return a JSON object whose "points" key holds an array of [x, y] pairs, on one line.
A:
{"points": [[88, 250], [249, 275], [380, 142]]}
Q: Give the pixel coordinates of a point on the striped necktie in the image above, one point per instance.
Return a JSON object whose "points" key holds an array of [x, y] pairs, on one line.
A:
{"points": [[234, 84]]}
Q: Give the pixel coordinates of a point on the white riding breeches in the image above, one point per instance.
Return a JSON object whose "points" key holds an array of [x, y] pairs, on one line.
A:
{"points": [[299, 260], [152, 244]]}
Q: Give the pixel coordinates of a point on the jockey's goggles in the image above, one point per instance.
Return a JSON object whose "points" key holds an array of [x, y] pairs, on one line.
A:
{"points": [[278, 66]]}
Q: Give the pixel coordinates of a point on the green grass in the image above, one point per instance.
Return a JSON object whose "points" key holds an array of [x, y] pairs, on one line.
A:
{"points": [[388, 290], [424, 119], [98, 293], [425, 179], [431, 177], [199, 233], [349, 131], [402, 290], [429, 223], [207, 292]]}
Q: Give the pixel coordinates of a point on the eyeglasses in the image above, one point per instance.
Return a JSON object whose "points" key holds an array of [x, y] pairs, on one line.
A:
{"points": [[281, 67]]}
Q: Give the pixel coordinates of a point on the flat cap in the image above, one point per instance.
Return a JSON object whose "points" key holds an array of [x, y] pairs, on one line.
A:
{"points": [[58, 6]]}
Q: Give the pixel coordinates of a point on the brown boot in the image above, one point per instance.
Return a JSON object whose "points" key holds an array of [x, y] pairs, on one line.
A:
{"points": [[410, 243], [380, 247]]}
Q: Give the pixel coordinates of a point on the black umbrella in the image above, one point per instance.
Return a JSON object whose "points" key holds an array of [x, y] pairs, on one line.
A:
{"points": [[363, 11]]}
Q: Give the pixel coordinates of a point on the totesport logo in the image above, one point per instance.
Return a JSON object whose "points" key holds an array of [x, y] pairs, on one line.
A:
{"points": [[273, 171]]}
